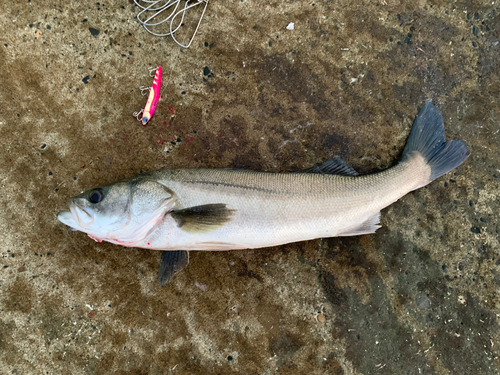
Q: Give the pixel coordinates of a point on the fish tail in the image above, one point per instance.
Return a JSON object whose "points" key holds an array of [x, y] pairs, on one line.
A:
{"points": [[427, 138]]}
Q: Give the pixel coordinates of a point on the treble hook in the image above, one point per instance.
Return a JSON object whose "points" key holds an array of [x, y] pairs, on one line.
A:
{"points": [[144, 90], [137, 115], [151, 70]]}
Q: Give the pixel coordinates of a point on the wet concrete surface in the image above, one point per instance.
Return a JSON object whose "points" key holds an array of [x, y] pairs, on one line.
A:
{"points": [[421, 296]]}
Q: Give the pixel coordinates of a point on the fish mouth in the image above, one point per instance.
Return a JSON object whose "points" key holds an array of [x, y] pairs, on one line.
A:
{"points": [[66, 217], [77, 217]]}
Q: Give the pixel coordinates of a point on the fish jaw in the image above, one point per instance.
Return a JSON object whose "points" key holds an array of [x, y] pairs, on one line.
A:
{"points": [[83, 215], [66, 217], [78, 217]]}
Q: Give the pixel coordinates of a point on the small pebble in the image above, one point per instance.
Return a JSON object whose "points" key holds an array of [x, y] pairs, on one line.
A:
{"points": [[92, 314], [422, 301], [201, 286], [321, 318], [21, 269]]}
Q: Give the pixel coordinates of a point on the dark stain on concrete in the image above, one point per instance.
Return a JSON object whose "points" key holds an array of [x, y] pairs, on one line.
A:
{"points": [[19, 297], [336, 296], [375, 336], [285, 346], [469, 328], [7, 344]]}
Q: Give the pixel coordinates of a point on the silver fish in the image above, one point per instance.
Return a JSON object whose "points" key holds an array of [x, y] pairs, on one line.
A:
{"points": [[222, 209]]}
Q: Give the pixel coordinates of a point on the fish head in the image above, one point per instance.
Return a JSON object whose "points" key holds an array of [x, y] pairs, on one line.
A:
{"points": [[124, 212]]}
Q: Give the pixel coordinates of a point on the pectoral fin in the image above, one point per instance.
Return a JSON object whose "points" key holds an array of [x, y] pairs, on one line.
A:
{"points": [[202, 219], [172, 262], [367, 227]]}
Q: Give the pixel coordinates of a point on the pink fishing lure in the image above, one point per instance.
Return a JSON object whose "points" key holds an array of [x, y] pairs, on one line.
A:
{"points": [[154, 95]]}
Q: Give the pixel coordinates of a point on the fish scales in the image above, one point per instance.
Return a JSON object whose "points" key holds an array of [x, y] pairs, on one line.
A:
{"points": [[273, 209]]}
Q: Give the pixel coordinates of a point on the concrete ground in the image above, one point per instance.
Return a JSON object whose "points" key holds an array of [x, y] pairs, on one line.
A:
{"points": [[421, 296]]}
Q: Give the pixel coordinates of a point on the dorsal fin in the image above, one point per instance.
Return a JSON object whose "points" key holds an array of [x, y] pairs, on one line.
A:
{"points": [[335, 165]]}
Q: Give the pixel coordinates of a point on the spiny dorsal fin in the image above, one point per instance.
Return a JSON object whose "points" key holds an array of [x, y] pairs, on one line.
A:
{"points": [[172, 262], [367, 227], [203, 219], [335, 165]]}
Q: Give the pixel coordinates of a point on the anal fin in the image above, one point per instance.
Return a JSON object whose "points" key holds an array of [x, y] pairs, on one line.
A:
{"points": [[172, 262], [367, 227]]}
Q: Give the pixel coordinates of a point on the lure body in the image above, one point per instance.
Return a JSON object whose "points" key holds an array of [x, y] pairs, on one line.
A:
{"points": [[154, 96]]}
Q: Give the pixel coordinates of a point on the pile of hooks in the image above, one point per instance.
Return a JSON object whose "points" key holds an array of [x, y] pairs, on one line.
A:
{"points": [[161, 17]]}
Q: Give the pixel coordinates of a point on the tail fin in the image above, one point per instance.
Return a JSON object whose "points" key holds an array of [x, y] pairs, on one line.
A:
{"points": [[427, 137]]}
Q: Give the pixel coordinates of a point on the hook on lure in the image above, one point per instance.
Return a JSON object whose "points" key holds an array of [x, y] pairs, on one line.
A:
{"points": [[145, 114]]}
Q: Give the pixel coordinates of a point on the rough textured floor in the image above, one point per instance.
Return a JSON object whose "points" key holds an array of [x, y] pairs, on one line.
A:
{"points": [[421, 296]]}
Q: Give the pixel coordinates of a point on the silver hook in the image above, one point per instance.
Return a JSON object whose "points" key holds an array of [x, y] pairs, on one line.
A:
{"points": [[151, 70], [144, 90], [137, 115]]}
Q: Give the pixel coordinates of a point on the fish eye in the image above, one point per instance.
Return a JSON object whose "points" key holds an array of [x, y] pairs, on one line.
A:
{"points": [[96, 195]]}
